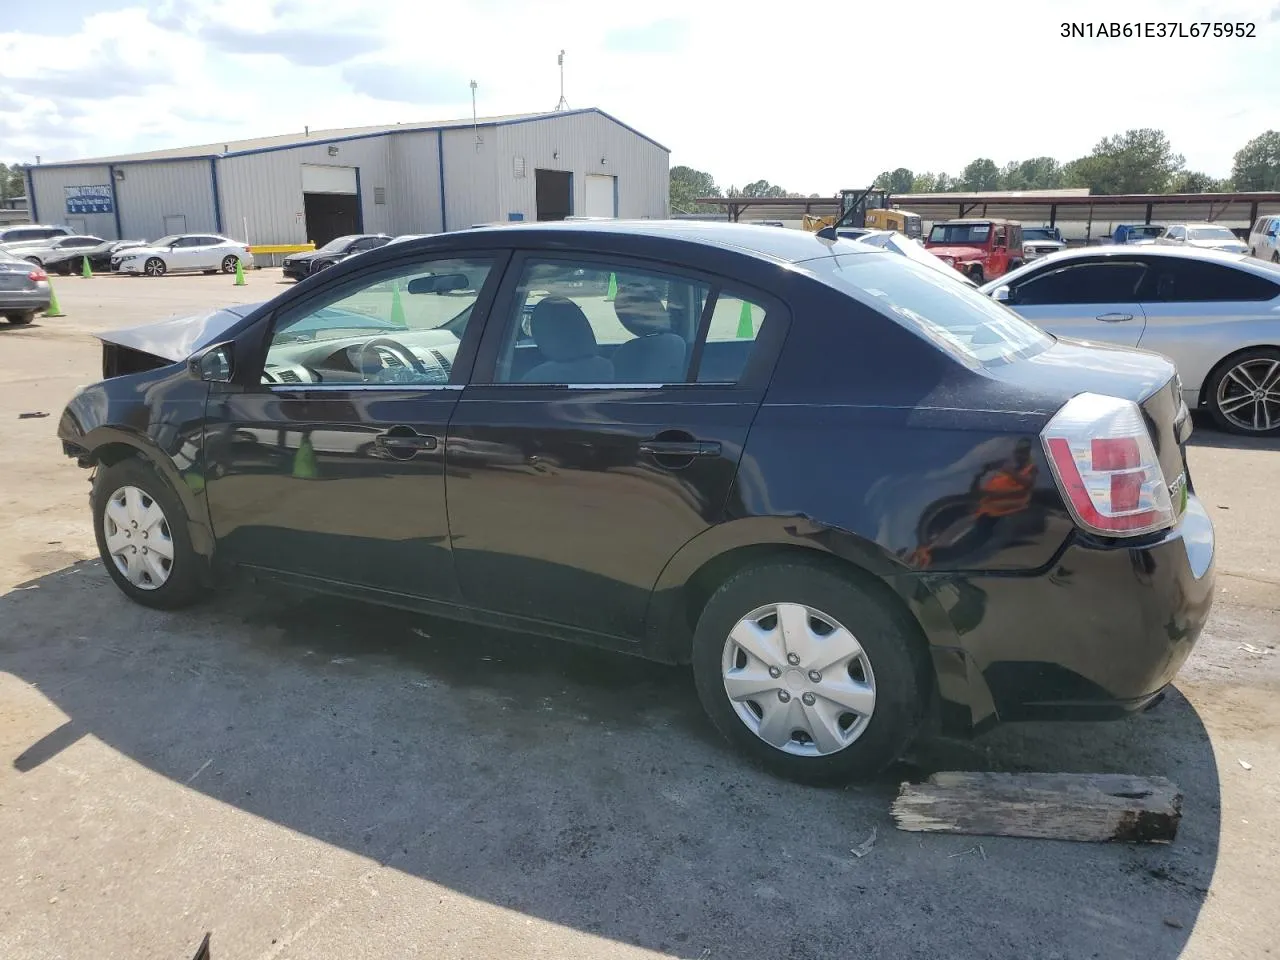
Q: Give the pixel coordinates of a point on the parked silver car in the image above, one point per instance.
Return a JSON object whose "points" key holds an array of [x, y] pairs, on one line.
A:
{"points": [[1216, 315], [24, 289], [1206, 236]]}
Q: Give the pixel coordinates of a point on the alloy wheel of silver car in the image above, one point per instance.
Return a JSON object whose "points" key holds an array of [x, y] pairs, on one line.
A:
{"points": [[138, 537], [798, 679], [154, 267], [1249, 395]]}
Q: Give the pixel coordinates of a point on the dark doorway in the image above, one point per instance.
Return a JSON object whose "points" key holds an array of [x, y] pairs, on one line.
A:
{"points": [[554, 194], [330, 215]]}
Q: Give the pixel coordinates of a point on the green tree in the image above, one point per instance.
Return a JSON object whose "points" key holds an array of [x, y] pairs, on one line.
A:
{"points": [[1038, 173], [1193, 181], [981, 174], [896, 181], [947, 184], [1136, 161], [763, 188], [924, 183], [1257, 164], [13, 182], [687, 185]]}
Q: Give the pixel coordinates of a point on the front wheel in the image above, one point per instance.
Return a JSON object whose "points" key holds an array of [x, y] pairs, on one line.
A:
{"points": [[1244, 393], [154, 267], [18, 319], [812, 675], [975, 274], [142, 535], [229, 264], [1275, 257]]}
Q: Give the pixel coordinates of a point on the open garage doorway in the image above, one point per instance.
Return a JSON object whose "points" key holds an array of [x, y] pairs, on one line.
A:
{"points": [[553, 194], [330, 202]]}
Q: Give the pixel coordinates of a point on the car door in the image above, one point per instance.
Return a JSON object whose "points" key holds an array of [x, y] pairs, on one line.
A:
{"points": [[1199, 311], [600, 433], [182, 255], [1090, 299], [325, 459]]}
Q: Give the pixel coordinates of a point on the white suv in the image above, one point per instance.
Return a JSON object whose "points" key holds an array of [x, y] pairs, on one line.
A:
{"points": [[1264, 239], [31, 233]]}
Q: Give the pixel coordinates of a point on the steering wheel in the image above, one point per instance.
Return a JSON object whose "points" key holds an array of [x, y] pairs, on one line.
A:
{"points": [[397, 350]]}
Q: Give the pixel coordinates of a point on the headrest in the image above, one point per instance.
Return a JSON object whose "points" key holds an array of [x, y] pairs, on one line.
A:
{"points": [[640, 310], [561, 330]]}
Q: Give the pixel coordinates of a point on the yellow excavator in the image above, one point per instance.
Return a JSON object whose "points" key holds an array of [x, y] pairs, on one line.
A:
{"points": [[868, 209]]}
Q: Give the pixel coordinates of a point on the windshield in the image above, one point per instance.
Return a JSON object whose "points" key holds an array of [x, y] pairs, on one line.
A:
{"points": [[167, 241], [338, 244], [960, 233], [1210, 233], [969, 326], [1036, 233]]}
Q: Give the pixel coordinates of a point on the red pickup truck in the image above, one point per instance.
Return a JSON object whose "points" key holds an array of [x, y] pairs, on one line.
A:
{"points": [[980, 249]]}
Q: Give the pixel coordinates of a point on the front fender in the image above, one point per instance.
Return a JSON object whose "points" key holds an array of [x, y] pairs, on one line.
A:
{"points": [[158, 415]]}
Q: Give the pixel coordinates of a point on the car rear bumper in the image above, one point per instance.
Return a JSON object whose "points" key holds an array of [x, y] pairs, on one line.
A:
{"points": [[20, 301], [1101, 632]]}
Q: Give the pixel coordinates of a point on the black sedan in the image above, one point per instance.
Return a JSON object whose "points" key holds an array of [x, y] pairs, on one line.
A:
{"points": [[299, 266], [855, 495], [68, 261]]}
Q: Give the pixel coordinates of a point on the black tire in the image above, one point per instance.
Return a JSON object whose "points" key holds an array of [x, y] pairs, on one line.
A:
{"points": [[210, 273], [976, 275], [35, 260], [890, 641], [154, 267], [229, 263], [18, 319], [185, 582], [1275, 257], [63, 269], [1260, 357]]}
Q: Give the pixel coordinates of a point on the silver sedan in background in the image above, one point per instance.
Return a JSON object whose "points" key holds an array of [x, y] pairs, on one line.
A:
{"points": [[24, 289], [1216, 315]]}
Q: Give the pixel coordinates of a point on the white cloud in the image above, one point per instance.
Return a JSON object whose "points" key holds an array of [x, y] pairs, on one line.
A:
{"points": [[811, 95]]}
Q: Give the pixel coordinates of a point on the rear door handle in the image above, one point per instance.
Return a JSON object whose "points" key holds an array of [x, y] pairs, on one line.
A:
{"points": [[681, 448], [1115, 317]]}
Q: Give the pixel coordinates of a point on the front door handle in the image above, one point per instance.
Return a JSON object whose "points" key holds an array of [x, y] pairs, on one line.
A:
{"points": [[1115, 317], [681, 448]]}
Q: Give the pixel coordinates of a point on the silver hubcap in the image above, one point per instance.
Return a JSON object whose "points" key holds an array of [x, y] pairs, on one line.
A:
{"points": [[138, 538], [154, 267], [1249, 395], [798, 679]]}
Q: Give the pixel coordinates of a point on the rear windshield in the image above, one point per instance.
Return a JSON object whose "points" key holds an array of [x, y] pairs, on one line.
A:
{"points": [[1210, 233], [960, 233], [968, 325]]}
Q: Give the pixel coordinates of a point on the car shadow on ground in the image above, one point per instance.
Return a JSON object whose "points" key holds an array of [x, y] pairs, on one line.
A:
{"points": [[1207, 434], [586, 788]]}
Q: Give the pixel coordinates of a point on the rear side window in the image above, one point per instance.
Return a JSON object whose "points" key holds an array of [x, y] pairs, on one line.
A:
{"points": [[735, 322], [1108, 282], [1194, 281], [968, 325]]}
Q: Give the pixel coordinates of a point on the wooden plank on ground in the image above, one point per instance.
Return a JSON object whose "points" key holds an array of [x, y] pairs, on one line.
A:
{"points": [[1102, 808]]}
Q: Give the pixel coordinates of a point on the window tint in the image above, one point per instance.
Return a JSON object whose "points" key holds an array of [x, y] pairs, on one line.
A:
{"points": [[968, 325], [1105, 282], [1194, 281], [960, 233], [80, 242], [402, 325], [731, 335], [587, 322]]}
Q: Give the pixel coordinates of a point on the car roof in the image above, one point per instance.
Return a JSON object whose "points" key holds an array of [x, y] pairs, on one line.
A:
{"points": [[780, 245], [1016, 223]]}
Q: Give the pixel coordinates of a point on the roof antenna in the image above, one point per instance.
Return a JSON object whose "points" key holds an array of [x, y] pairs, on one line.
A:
{"points": [[563, 104]]}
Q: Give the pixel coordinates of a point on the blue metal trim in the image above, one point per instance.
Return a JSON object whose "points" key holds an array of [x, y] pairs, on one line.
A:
{"points": [[31, 197], [444, 221], [307, 142], [359, 204], [217, 199], [115, 199]]}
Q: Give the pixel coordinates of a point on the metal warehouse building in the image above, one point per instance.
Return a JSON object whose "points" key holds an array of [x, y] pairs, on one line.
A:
{"points": [[406, 178]]}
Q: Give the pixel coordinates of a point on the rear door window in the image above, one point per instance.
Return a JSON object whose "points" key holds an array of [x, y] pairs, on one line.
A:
{"points": [[968, 325], [1195, 281], [1098, 282]]}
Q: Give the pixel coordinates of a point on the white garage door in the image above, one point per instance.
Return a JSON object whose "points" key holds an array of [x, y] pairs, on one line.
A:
{"points": [[318, 178], [600, 196]]}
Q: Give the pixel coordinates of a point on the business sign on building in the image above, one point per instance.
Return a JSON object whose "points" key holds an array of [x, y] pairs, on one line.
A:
{"points": [[94, 199]]}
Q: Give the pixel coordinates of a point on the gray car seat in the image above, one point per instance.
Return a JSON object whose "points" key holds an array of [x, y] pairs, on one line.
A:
{"points": [[564, 336], [656, 355]]}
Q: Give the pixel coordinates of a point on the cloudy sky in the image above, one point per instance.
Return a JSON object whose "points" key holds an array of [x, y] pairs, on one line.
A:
{"points": [[811, 95]]}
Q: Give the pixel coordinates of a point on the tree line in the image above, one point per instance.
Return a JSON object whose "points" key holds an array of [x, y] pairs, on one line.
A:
{"points": [[13, 183], [1136, 161]]}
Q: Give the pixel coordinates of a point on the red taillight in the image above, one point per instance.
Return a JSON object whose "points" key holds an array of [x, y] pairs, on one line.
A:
{"points": [[37, 275], [1106, 466]]}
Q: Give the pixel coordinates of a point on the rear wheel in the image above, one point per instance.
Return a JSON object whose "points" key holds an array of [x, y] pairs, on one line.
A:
{"points": [[229, 263], [20, 318], [975, 274], [1244, 393], [812, 675], [1275, 257], [154, 267], [142, 535]]}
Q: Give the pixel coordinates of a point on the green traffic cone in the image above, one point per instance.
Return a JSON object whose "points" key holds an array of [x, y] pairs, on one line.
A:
{"points": [[613, 288], [304, 461], [53, 310], [745, 329], [397, 308], [85, 270], [239, 273]]}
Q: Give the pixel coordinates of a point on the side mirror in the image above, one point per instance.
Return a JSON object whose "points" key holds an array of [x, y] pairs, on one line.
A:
{"points": [[1001, 293], [213, 364]]}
